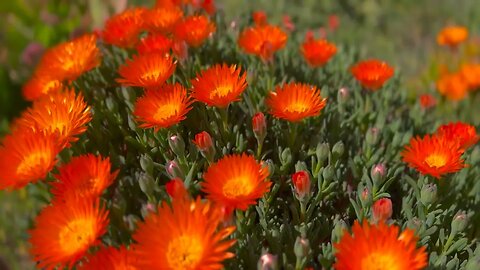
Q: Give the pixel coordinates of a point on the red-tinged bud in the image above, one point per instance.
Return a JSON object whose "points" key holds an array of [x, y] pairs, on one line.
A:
{"points": [[378, 173], [176, 188], [259, 17], [227, 212], [301, 183], [180, 49], [322, 32], [333, 22], [173, 170], [343, 95], [382, 210], [267, 262], [287, 23], [309, 36], [259, 126], [204, 143]]}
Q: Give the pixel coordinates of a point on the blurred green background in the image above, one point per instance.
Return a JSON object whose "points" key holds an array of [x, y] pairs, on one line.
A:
{"points": [[400, 31]]}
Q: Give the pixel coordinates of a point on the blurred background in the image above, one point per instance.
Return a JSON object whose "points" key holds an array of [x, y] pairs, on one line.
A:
{"points": [[402, 32]]}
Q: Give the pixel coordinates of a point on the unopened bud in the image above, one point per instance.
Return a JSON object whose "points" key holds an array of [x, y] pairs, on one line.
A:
{"points": [[382, 210], [328, 173], [372, 136], [339, 227], [343, 95], [338, 149], [176, 188], [459, 222], [259, 126], [428, 194], [322, 152], [204, 143], [365, 195], [177, 145], [147, 184], [267, 262], [301, 247], [378, 173], [301, 183], [286, 156], [173, 170], [473, 263]]}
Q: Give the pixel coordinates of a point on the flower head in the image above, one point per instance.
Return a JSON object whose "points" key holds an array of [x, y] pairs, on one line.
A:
{"points": [[372, 74], [295, 101], [84, 176], [194, 30], [147, 70], [26, 156], [427, 101], [262, 40], [40, 85], [453, 86], [317, 52], [465, 134], [471, 75], [236, 181], [219, 85], [162, 107], [65, 231], [154, 43], [110, 258], [433, 155], [122, 29], [186, 236], [452, 36], [163, 19], [379, 246]]}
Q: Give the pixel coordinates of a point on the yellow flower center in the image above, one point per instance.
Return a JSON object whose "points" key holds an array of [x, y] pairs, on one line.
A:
{"points": [[88, 186], [297, 107], [49, 86], [166, 110], [78, 234], [238, 186], [221, 91], [436, 160], [152, 74], [184, 252], [380, 261], [31, 162]]}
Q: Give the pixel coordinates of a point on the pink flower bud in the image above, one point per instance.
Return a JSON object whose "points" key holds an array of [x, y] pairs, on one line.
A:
{"points": [[267, 262], [378, 173], [259, 125], [382, 210]]}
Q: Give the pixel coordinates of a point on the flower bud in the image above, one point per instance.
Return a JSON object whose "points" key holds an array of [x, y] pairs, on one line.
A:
{"points": [[372, 136], [322, 152], [459, 222], [267, 262], [328, 174], [286, 156], [365, 195], [343, 95], [473, 263], [259, 126], [173, 170], [382, 210], [338, 149], [177, 145], [339, 227], [301, 183], [428, 194], [301, 247], [204, 143], [378, 173], [147, 184], [176, 188]]}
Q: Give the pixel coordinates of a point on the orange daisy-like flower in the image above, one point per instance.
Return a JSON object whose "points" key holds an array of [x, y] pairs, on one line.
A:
{"points": [[379, 246], [219, 85], [465, 134], [122, 29], [194, 30], [84, 176], [71, 59], [147, 70], [63, 113], [163, 19], [65, 231], [317, 52], [26, 157], [295, 101], [372, 74], [162, 108], [433, 155], [236, 181], [453, 86], [185, 236], [110, 258], [452, 36], [155, 43], [40, 85], [471, 75], [262, 40]]}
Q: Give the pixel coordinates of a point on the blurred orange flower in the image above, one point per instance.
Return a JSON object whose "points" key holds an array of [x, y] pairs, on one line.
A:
{"points": [[110, 258], [147, 70], [262, 40], [154, 43], [427, 101], [465, 134], [453, 86], [163, 19], [372, 74], [122, 29], [452, 36], [317, 52], [40, 85], [195, 30], [471, 75]]}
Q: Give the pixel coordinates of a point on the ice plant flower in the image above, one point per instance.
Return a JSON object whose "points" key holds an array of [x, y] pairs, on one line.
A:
{"points": [[317, 52], [372, 74], [452, 36], [427, 101], [162, 107], [219, 85], [40, 85], [63, 114], [187, 235], [71, 59], [122, 29], [471, 75], [25, 157], [301, 184], [64, 231], [85, 176], [453, 86], [154, 43], [433, 155], [465, 134], [194, 30], [262, 40], [379, 246], [382, 210], [295, 101], [236, 181], [109, 258], [146, 70], [163, 19]]}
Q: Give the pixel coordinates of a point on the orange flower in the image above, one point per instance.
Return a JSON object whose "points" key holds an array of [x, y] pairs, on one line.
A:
{"points": [[62, 113], [295, 101], [452, 36], [427, 101], [433, 155], [379, 246], [262, 41], [163, 19], [194, 30], [465, 134], [122, 29], [471, 75], [219, 85], [110, 258], [85, 176], [184, 236], [162, 108], [40, 85], [147, 70], [317, 52], [155, 43], [372, 74], [236, 181], [69, 60], [26, 157], [65, 231], [453, 86]]}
